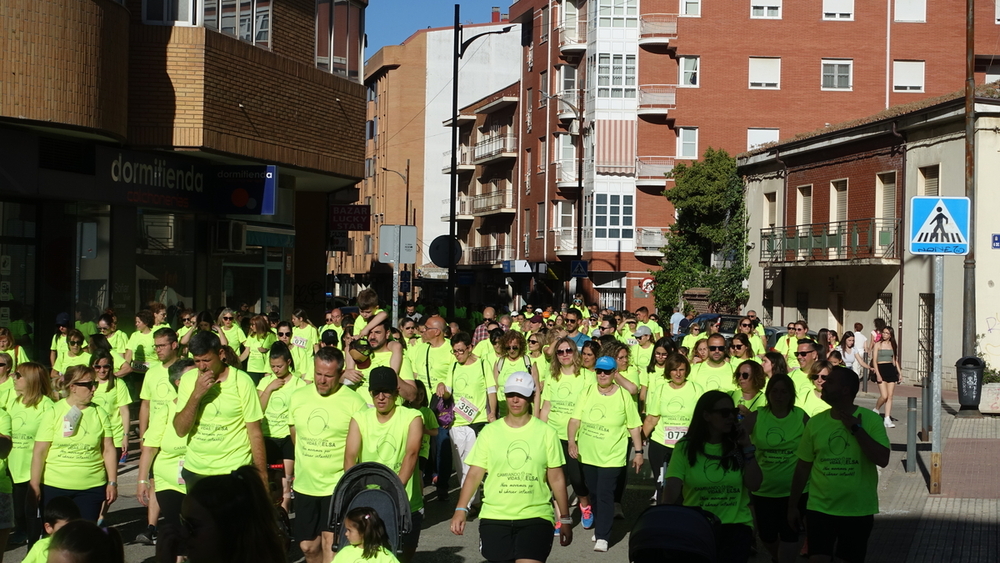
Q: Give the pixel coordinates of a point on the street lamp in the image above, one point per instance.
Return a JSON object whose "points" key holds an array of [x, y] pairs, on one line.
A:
{"points": [[460, 47], [406, 221]]}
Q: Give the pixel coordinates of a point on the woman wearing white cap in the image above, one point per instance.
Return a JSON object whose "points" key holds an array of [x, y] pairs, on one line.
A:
{"points": [[604, 420], [524, 459]]}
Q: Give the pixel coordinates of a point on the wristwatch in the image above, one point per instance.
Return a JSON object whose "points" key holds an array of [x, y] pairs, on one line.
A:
{"points": [[639, 451]]}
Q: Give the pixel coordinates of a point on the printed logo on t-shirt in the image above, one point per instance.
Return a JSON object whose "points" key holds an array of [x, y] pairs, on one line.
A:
{"points": [[517, 454], [837, 443], [775, 436], [714, 471], [318, 421], [387, 449]]}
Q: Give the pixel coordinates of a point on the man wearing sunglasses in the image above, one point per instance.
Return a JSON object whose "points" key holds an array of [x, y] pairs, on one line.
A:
{"points": [[573, 327], [716, 372], [806, 353], [384, 353], [482, 331]]}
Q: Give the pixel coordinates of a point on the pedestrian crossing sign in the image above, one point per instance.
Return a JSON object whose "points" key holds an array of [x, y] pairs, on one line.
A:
{"points": [[578, 269], [939, 225]]}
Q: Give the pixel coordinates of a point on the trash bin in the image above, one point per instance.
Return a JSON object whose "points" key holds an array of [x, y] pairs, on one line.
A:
{"points": [[970, 380]]}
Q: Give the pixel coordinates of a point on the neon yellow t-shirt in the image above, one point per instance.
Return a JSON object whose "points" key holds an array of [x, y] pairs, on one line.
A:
{"points": [[360, 322], [439, 360], [517, 460], [430, 423], [603, 436], [119, 342], [381, 358], [112, 401], [6, 486], [386, 444], [59, 344], [709, 486], [710, 378], [321, 426], [170, 459], [653, 328], [257, 361], [355, 554], [142, 349], [182, 331], [19, 355], [691, 339], [675, 407], [641, 356], [470, 387], [39, 552], [302, 344], [235, 336], [757, 345], [562, 395], [811, 404], [218, 442], [787, 345], [275, 421], [803, 384], [843, 481], [156, 389], [65, 361], [75, 462], [776, 440], [758, 401], [7, 392], [508, 367], [25, 422], [635, 375]]}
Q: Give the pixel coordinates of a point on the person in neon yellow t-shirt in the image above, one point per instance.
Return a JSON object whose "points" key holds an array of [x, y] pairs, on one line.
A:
{"points": [[319, 417], [369, 314], [390, 435], [838, 455], [58, 513], [219, 412], [229, 326], [365, 531], [669, 408], [27, 410], [750, 382], [715, 468], [139, 351], [74, 356], [716, 372], [275, 393], [523, 458]]}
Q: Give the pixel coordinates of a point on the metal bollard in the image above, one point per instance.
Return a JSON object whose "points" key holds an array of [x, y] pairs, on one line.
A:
{"points": [[911, 434]]}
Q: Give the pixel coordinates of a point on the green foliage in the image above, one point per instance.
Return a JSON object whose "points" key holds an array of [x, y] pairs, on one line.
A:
{"points": [[709, 198], [990, 374]]}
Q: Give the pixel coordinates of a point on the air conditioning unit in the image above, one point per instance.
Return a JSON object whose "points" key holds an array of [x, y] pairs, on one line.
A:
{"points": [[230, 237]]}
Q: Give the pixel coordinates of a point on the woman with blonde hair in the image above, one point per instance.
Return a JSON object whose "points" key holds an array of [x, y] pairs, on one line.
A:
{"points": [[228, 326], [7, 393], [29, 407], [699, 351], [8, 344], [514, 358], [257, 346]]}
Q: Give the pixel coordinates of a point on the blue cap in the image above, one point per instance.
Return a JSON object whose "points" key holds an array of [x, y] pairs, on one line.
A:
{"points": [[606, 362]]}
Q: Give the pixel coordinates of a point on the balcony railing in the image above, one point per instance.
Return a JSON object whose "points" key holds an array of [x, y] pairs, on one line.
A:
{"points": [[573, 37], [463, 208], [649, 241], [565, 241], [492, 202], [657, 98], [566, 97], [656, 29], [495, 146], [488, 255], [566, 172], [653, 170], [464, 158], [864, 241]]}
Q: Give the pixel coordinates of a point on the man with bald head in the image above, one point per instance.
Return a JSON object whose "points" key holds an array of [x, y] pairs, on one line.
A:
{"points": [[431, 361], [482, 332]]}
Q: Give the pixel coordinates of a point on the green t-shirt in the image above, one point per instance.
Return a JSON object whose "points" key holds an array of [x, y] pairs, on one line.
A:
{"points": [[709, 486], [758, 401], [275, 421], [641, 356], [562, 395], [635, 375], [803, 384], [257, 361], [690, 340], [7, 392], [485, 351], [776, 440], [111, 401], [355, 554], [321, 426], [756, 344], [710, 378], [170, 459], [182, 331], [438, 360], [470, 388], [218, 442], [430, 423], [603, 436], [360, 322], [75, 462], [142, 349], [675, 407], [843, 481], [302, 344], [386, 444], [119, 342], [59, 344], [24, 422], [6, 486], [156, 389], [517, 460], [39, 552], [19, 354], [235, 336], [787, 345]]}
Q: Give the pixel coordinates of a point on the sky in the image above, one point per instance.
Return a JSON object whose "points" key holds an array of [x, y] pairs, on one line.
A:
{"points": [[389, 22]]}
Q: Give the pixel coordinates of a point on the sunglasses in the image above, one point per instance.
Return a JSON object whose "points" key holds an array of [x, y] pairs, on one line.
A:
{"points": [[604, 371], [462, 351], [736, 346], [820, 378], [186, 320], [87, 384], [717, 348], [284, 334], [802, 354], [532, 342], [75, 342], [564, 351], [746, 325], [744, 375], [513, 348], [227, 318], [727, 411], [3, 364], [102, 366], [696, 327], [790, 329]]}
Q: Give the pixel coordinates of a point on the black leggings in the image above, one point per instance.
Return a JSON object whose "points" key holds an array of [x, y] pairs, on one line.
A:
{"points": [[170, 506], [658, 455], [573, 470], [26, 520]]}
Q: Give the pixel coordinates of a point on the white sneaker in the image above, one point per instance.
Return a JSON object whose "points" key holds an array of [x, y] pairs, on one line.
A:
{"points": [[876, 412], [601, 545], [889, 423], [593, 537], [619, 513]]}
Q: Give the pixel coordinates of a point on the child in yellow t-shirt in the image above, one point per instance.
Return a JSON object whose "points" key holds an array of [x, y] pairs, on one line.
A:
{"points": [[369, 540], [58, 512]]}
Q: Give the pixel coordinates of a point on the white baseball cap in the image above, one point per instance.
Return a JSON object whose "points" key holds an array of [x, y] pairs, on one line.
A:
{"points": [[520, 382]]}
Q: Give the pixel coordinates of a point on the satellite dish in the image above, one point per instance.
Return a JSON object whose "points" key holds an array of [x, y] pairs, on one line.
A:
{"points": [[438, 251]]}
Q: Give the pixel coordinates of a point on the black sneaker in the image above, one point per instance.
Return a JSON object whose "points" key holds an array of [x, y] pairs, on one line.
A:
{"points": [[148, 537]]}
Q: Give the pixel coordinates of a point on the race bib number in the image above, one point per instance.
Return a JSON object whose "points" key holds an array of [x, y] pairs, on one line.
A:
{"points": [[466, 409], [671, 434], [299, 342], [180, 470], [70, 421]]}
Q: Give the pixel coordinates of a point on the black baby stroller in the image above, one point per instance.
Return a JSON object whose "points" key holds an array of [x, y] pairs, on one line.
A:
{"points": [[673, 534], [375, 486]]}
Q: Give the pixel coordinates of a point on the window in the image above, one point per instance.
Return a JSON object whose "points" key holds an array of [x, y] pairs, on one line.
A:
{"points": [[802, 305], [545, 24], [340, 32], [565, 215], [571, 15], [615, 76], [838, 200], [885, 195], [838, 9], [803, 212], [617, 13], [543, 89], [765, 72], [758, 137], [528, 95], [691, 8], [929, 181], [689, 71], [169, 12], [568, 84], [765, 9], [770, 209], [687, 142], [838, 74], [527, 171], [613, 216], [996, 10], [540, 221], [911, 10], [908, 76], [543, 153]]}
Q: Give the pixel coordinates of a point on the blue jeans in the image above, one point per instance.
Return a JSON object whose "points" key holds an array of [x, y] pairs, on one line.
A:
{"points": [[89, 501], [442, 460]]}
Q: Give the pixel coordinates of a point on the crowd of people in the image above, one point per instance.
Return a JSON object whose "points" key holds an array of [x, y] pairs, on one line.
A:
{"points": [[241, 413]]}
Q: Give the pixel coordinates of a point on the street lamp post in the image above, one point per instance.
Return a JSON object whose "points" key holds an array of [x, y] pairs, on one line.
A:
{"points": [[406, 221], [460, 47]]}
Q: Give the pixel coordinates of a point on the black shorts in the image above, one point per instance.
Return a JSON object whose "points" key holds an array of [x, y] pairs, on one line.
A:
{"points": [[413, 538], [848, 533], [311, 515], [889, 373], [510, 540], [278, 449], [772, 518]]}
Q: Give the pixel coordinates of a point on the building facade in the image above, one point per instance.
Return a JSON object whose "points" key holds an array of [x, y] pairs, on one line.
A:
{"points": [[181, 153]]}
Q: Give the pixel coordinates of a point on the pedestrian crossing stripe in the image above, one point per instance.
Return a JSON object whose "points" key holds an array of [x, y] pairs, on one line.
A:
{"points": [[940, 227]]}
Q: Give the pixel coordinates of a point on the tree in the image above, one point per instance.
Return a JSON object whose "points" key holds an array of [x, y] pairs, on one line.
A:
{"points": [[711, 220]]}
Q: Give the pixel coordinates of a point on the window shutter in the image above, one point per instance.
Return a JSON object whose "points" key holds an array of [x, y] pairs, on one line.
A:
{"points": [[931, 180], [888, 195]]}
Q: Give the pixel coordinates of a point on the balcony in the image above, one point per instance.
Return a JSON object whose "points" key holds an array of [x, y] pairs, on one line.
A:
{"points": [[657, 99], [649, 241], [497, 147], [565, 241], [566, 173], [464, 160], [651, 171], [490, 203], [573, 38], [491, 255], [463, 209], [860, 242], [562, 101], [657, 29]]}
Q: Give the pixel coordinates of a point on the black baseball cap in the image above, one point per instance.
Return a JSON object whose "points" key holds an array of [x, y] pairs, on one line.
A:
{"points": [[382, 379]]}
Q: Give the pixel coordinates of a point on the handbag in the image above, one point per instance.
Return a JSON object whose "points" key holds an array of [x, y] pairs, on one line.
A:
{"points": [[443, 408]]}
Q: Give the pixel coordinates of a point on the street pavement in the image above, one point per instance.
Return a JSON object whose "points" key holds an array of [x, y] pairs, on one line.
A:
{"points": [[960, 525]]}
